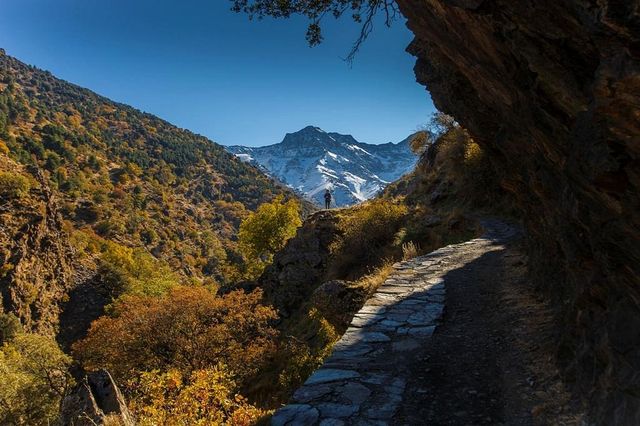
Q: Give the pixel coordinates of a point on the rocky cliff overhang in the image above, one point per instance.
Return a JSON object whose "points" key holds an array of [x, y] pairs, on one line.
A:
{"points": [[551, 89]]}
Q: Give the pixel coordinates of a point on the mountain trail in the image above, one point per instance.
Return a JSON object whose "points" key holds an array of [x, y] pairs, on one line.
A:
{"points": [[453, 337]]}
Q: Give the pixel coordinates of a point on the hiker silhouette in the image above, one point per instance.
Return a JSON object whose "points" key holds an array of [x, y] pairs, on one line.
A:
{"points": [[327, 199]]}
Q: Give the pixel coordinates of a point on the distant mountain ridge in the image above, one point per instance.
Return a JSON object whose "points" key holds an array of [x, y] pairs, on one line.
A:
{"points": [[312, 160]]}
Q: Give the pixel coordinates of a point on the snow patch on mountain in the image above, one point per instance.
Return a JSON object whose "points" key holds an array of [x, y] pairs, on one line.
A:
{"points": [[312, 160]]}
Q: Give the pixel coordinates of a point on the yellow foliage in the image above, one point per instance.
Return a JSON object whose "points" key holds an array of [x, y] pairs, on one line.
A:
{"points": [[75, 120], [472, 154], [134, 271], [33, 379], [366, 230], [4, 149], [266, 231], [205, 397]]}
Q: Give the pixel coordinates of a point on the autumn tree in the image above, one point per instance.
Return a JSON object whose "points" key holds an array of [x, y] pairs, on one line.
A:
{"points": [[126, 270], [265, 232], [187, 329], [33, 377]]}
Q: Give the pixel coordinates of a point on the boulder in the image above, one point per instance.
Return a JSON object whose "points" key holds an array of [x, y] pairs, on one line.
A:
{"points": [[95, 401]]}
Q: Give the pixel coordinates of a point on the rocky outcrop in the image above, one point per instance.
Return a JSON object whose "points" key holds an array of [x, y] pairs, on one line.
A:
{"points": [[299, 268], [35, 257], [338, 301], [552, 90], [96, 401]]}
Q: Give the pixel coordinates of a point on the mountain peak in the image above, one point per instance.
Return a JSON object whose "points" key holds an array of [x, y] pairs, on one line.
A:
{"points": [[312, 160], [311, 129]]}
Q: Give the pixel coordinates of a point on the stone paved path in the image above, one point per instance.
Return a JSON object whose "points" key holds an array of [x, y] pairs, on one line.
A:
{"points": [[365, 378]]}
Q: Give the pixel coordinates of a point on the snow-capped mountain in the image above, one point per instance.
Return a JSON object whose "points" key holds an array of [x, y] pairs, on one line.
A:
{"points": [[312, 160]]}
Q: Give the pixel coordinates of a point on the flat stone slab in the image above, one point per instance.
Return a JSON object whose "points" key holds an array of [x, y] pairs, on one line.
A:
{"points": [[295, 414], [375, 337], [330, 375], [364, 380]]}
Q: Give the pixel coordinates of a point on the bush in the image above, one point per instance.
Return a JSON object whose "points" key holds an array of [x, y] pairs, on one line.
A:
{"points": [[464, 165], [13, 185], [205, 397], [366, 231], [128, 271], [9, 327], [301, 357], [4, 149]]}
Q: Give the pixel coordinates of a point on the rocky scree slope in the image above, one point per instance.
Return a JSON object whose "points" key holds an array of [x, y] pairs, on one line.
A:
{"points": [[552, 90], [312, 160]]}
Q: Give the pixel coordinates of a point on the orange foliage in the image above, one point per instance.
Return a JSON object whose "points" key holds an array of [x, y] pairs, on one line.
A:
{"points": [[187, 329]]}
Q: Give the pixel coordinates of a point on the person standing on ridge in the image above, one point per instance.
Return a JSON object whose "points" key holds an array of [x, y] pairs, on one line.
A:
{"points": [[327, 199]]}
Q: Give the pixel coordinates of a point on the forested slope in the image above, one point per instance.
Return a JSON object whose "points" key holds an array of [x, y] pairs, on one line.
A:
{"points": [[136, 195]]}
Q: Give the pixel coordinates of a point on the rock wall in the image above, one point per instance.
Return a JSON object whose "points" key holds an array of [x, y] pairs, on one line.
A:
{"points": [[552, 89]]}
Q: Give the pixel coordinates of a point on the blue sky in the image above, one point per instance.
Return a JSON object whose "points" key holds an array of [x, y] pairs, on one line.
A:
{"points": [[204, 68]]}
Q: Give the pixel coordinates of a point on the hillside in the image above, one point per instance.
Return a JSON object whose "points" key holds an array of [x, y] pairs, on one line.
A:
{"points": [[110, 178], [312, 160]]}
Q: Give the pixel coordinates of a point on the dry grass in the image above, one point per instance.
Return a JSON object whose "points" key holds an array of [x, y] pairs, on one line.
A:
{"points": [[371, 282], [409, 250]]}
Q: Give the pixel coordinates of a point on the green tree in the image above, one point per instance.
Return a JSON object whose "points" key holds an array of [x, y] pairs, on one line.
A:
{"points": [[33, 378], [265, 232]]}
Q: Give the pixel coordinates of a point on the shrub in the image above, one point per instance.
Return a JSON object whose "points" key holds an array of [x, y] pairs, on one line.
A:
{"points": [[9, 327], [366, 231], [409, 250], [465, 166], [205, 397], [110, 227], [13, 185], [301, 357]]}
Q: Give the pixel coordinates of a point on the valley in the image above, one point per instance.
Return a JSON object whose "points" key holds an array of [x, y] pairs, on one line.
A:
{"points": [[484, 270]]}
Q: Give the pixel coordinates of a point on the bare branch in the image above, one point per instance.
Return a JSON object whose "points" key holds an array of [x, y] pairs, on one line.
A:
{"points": [[317, 10]]}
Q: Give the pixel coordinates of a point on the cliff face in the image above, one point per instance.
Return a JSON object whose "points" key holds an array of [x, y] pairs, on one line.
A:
{"points": [[35, 256], [552, 90]]}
